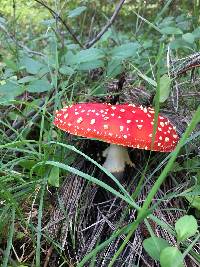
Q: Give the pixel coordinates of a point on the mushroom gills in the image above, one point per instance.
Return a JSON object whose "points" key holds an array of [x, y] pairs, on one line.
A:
{"points": [[116, 158]]}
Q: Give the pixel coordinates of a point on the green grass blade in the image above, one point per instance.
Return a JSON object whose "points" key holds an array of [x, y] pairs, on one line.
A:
{"points": [[91, 179], [99, 166], [10, 238], [39, 227]]}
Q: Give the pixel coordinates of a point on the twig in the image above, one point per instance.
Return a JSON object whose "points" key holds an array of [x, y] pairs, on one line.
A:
{"points": [[56, 16], [49, 252], [107, 26]]}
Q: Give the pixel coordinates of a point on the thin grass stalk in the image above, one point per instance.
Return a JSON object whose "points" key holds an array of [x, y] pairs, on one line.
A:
{"points": [[10, 238]]}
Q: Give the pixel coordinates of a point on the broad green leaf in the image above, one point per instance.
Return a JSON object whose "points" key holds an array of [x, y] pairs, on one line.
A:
{"points": [[179, 43], [171, 30], [171, 257], [53, 178], [196, 33], [9, 91], [66, 70], [90, 65], [69, 58], [32, 66], [39, 86], [91, 54], [77, 11], [11, 64], [167, 21], [186, 227], [165, 83], [154, 245], [125, 51], [44, 70], [27, 79], [114, 68], [188, 37]]}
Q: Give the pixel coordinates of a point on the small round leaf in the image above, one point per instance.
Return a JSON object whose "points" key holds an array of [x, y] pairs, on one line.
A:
{"points": [[186, 227], [154, 245], [171, 257]]}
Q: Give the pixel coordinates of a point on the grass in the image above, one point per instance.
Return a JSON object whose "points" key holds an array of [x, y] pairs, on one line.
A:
{"points": [[95, 215]]}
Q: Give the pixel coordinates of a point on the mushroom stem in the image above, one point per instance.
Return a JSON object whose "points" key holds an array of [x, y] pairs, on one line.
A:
{"points": [[116, 158]]}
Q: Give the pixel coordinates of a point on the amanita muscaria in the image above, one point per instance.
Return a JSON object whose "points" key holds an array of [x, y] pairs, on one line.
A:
{"points": [[121, 125]]}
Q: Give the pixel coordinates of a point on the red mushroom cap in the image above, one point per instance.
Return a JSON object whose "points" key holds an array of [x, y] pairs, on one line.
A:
{"points": [[125, 124]]}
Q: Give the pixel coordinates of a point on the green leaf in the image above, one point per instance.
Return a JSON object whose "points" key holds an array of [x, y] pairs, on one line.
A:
{"points": [[26, 79], [165, 83], [66, 70], [171, 30], [125, 51], [11, 64], [53, 178], [171, 257], [9, 91], [77, 11], [188, 37], [27, 163], [91, 54], [196, 33], [90, 65], [186, 227], [194, 201], [39, 86], [179, 43], [154, 245], [114, 68], [31, 65]]}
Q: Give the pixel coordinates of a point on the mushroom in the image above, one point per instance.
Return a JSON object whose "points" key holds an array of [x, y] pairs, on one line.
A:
{"points": [[121, 125]]}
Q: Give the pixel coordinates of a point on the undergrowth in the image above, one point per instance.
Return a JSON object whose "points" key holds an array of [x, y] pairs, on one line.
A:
{"points": [[58, 205]]}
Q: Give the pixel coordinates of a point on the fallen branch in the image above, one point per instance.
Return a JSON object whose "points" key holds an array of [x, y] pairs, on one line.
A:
{"points": [[56, 16], [107, 26]]}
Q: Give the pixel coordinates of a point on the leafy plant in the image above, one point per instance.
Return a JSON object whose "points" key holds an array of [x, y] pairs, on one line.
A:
{"points": [[54, 53], [159, 249]]}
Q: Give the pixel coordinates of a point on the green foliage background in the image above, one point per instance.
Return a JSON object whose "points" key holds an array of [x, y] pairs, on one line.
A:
{"points": [[42, 68]]}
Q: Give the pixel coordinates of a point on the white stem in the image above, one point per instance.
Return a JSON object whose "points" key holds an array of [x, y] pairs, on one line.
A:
{"points": [[116, 158]]}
